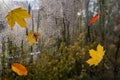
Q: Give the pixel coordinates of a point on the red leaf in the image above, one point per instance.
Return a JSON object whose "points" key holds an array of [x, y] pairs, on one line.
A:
{"points": [[94, 19]]}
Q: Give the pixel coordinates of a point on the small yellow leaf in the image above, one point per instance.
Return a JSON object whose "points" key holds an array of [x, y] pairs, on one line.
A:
{"points": [[96, 56], [19, 69], [32, 37], [17, 15]]}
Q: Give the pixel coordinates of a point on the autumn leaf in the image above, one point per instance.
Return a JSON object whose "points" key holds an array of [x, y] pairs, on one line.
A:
{"points": [[17, 16], [94, 19], [19, 69], [96, 56], [32, 37], [36, 35]]}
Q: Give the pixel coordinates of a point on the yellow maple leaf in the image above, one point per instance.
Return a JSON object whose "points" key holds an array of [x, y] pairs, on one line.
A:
{"points": [[32, 37], [17, 15], [19, 69], [96, 56]]}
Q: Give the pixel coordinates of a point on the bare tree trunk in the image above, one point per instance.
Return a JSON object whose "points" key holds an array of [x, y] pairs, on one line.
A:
{"points": [[88, 37]]}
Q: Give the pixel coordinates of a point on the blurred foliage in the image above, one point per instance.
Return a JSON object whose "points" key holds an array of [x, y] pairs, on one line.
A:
{"points": [[66, 64]]}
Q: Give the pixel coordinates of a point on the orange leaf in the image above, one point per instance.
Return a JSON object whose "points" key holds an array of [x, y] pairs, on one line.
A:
{"points": [[19, 69], [36, 35], [94, 19]]}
